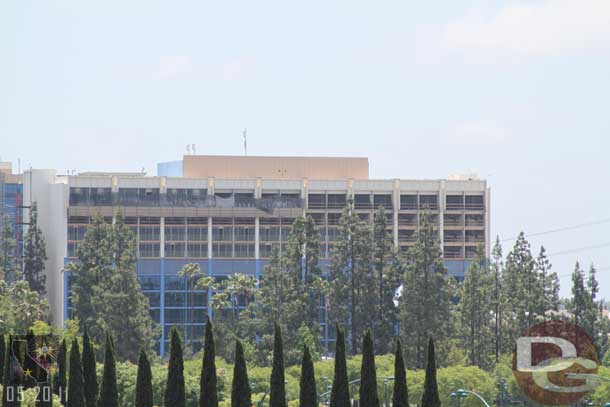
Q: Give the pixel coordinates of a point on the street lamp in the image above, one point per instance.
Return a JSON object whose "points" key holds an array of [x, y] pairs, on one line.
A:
{"points": [[458, 396]]}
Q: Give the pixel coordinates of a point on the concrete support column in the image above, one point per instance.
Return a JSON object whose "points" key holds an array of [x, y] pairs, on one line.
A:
{"points": [[305, 195], [210, 237], [441, 215], [258, 189], [210, 267], [396, 206], [256, 238], [162, 236]]}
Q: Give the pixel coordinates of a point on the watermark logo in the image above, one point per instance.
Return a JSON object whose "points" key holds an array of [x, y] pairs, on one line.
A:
{"points": [[555, 363], [32, 364]]}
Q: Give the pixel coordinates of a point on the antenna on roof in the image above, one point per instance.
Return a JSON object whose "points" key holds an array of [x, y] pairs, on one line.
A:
{"points": [[244, 134], [188, 149]]}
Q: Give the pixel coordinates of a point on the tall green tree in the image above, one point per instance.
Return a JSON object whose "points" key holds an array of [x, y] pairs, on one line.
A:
{"points": [[123, 309], [175, 393], [550, 283], [76, 395], [34, 254], [579, 302], [523, 290], [368, 374], [352, 294], [400, 393], [60, 383], [95, 258], [476, 321], [108, 391], [426, 296], [277, 394], [387, 279], [208, 394], [89, 371], [339, 395], [241, 394], [144, 390], [498, 304], [307, 391], [430, 397], [106, 294]]}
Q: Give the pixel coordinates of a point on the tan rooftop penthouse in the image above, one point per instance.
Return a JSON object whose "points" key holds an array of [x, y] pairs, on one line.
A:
{"points": [[319, 168]]}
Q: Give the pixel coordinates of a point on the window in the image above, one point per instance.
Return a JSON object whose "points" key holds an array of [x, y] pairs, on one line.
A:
{"points": [[197, 233], [408, 202], [223, 250], [428, 202], [362, 201], [149, 232], [154, 299], [384, 200], [197, 250], [149, 249], [244, 250], [244, 234], [336, 201], [316, 201], [174, 249], [173, 233], [220, 233], [150, 282], [175, 283], [173, 299]]}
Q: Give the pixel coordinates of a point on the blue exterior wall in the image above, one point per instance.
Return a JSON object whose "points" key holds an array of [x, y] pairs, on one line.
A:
{"points": [[169, 169], [11, 200], [172, 303]]}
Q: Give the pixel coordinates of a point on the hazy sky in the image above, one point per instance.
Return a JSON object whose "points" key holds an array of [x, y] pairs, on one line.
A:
{"points": [[516, 91]]}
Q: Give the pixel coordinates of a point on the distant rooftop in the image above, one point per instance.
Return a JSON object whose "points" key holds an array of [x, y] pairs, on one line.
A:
{"points": [[236, 167]]}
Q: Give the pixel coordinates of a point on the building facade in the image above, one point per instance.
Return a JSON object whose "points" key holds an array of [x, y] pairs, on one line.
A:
{"points": [[229, 224]]}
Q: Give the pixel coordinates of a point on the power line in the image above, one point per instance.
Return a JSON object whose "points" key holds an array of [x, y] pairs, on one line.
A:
{"points": [[562, 229], [579, 249], [596, 269]]}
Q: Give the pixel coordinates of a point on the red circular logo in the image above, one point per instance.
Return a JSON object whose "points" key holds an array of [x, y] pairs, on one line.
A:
{"points": [[555, 363]]}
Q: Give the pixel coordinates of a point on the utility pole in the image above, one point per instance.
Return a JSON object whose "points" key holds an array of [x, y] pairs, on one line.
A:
{"points": [[244, 135]]}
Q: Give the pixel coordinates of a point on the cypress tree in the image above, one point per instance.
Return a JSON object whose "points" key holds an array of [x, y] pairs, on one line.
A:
{"points": [[400, 396], [174, 393], [430, 397], [339, 395], [144, 391], [241, 395], [2, 354], [76, 395], [34, 254], [307, 395], [277, 395], [89, 371], [108, 391], [368, 374], [208, 395], [59, 381], [8, 381]]}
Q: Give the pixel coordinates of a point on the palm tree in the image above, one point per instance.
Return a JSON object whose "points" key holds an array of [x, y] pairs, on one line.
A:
{"points": [[189, 271]]}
